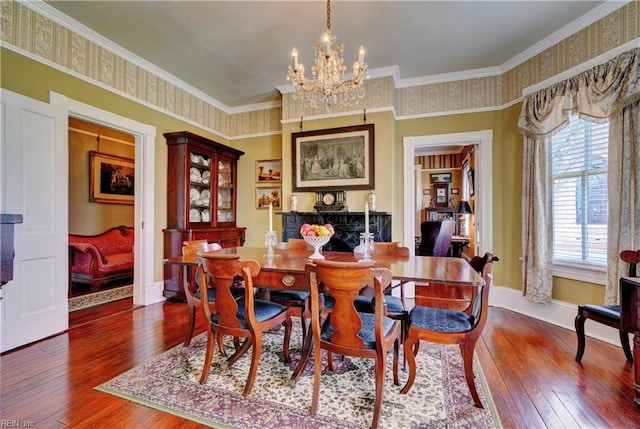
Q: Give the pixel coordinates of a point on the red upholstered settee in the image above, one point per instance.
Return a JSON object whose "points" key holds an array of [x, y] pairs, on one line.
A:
{"points": [[98, 259]]}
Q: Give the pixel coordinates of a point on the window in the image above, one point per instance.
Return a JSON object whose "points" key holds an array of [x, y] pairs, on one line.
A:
{"points": [[579, 194]]}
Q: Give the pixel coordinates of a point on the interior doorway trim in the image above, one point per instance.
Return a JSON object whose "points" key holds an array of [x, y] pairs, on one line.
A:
{"points": [[145, 291], [483, 141]]}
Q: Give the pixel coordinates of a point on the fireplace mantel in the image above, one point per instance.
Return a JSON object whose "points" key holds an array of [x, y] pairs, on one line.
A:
{"points": [[348, 226]]}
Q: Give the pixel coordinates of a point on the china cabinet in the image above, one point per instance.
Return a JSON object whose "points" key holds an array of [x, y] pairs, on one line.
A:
{"points": [[201, 199]]}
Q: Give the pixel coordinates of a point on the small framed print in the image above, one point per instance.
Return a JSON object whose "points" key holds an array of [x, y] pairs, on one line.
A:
{"points": [[269, 171], [266, 196], [455, 191], [442, 194], [441, 178], [111, 178], [426, 192]]}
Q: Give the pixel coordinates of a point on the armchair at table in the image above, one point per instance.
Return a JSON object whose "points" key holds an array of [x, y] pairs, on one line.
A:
{"points": [[436, 237]]}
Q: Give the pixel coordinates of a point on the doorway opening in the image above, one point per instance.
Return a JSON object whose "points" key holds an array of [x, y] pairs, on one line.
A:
{"points": [[482, 181], [101, 199], [145, 290]]}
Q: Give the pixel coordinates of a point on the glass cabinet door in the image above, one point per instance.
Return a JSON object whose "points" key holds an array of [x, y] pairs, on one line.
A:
{"points": [[226, 192], [199, 188]]}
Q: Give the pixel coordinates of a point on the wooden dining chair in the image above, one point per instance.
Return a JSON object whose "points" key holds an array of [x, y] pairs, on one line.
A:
{"points": [[346, 331], [191, 284], [297, 301], [442, 326], [248, 318], [607, 314], [384, 254]]}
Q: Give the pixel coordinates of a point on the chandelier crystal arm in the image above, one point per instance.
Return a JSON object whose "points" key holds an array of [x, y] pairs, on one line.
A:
{"points": [[328, 85]]}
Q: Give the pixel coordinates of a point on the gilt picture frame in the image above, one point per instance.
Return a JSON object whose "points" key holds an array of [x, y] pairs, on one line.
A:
{"points": [[269, 171], [333, 159], [269, 195], [111, 179]]}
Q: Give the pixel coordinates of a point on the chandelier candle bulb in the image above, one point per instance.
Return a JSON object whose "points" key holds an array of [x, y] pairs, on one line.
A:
{"points": [[294, 54], [361, 56]]}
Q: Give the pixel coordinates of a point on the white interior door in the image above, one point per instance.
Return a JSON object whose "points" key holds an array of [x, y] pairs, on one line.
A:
{"points": [[33, 159]]}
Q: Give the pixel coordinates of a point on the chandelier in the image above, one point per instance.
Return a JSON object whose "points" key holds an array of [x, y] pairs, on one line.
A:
{"points": [[328, 85]]}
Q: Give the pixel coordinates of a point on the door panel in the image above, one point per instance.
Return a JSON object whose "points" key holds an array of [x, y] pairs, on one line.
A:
{"points": [[34, 177]]}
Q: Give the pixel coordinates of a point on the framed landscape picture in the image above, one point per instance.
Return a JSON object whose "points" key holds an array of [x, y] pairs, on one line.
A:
{"points": [[111, 178], [337, 158], [441, 178], [270, 195], [269, 170]]}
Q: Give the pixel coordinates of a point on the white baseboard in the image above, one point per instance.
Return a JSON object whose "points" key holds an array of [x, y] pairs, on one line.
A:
{"points": [[557, 313], [153, 293]]}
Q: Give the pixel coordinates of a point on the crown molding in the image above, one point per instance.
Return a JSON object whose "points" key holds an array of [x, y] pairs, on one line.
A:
{"points": [[450, 77], [584, 21], [55, 15], [254, 107], [589, 18]]}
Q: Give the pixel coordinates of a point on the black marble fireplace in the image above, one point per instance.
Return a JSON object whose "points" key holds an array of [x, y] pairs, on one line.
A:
{"points": [[348, 226]]}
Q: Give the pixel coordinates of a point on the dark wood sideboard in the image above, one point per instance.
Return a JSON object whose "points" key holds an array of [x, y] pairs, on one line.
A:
{"points": [[348, 226], [630, 303]]}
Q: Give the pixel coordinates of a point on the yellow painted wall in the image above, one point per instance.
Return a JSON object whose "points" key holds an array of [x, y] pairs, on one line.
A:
{"points": [[35, 80], [32, 79], [385, 165], [86, 217]]}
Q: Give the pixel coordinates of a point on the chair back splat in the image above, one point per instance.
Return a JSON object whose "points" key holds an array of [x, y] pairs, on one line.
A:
{"points": [[443, 326], [245, 318], [346, 331], [609, 315]]}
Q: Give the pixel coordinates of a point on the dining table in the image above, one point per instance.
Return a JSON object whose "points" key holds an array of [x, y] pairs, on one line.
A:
{"points": [[286, 271]]}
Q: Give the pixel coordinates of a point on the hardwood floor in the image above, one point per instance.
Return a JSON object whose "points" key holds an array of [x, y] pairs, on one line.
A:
{"points": [[529, 366]]}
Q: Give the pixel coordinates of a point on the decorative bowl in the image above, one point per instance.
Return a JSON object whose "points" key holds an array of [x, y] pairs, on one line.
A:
{"points": [[317, 241]]}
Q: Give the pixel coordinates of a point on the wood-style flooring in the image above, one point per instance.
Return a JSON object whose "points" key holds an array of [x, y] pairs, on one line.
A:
{"points": [[529, 365]]}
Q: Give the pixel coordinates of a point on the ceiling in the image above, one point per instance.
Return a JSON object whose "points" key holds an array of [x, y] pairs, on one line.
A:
{"points": [[237, 52]]}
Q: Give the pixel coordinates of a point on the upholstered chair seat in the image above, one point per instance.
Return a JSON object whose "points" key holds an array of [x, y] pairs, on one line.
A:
{"points": [[367, 333], [440, 320]]}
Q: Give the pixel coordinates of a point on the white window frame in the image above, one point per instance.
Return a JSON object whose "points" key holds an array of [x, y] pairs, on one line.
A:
{"points": [[591, 273]]}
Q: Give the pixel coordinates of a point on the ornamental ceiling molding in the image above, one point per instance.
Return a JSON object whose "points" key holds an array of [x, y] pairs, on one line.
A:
{"points": [[43, 34]]}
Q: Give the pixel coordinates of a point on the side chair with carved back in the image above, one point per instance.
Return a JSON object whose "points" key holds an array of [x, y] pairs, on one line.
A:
{"points": [[241, 318]]}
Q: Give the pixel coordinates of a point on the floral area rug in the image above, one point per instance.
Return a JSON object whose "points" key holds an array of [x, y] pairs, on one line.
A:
{"points": [[98, 298], [439, 397]]}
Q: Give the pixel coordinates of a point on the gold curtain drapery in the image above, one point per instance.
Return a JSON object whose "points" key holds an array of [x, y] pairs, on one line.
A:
{"points": [[598, 94]]}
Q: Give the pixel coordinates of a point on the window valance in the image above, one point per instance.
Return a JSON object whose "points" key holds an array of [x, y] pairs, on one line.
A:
{"points": [[594, 94]]}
